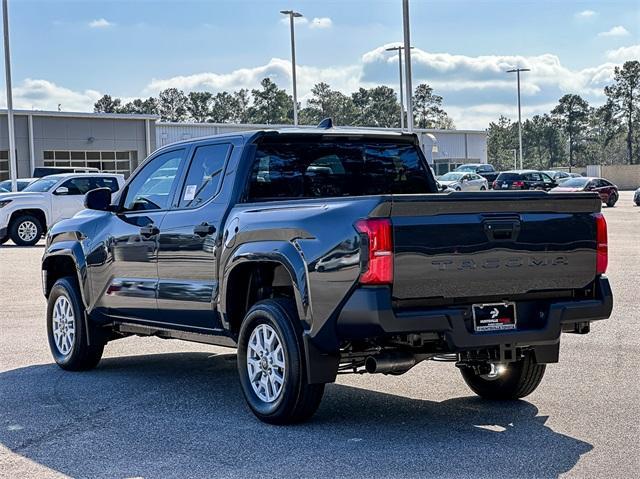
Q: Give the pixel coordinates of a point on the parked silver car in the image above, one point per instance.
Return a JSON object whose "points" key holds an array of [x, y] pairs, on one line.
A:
{"points": [[460, 181]]}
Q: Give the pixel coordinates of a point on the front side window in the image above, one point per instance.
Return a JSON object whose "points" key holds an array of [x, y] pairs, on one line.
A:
{"points": [[77, 186], [311, 168], [152, 186], [205, 173]]}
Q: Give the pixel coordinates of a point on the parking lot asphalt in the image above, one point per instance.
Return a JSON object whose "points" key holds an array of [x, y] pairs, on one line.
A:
{"points": [[160, 408]]}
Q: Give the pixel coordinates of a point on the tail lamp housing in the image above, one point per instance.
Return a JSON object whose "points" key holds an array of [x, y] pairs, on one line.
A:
{"points": [[378, 265], [602, 244]]}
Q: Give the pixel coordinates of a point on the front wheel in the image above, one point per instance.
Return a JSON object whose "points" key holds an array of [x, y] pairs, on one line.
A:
{"points": [[72, 347], [613, 199], [26, 230], [271, 364], [517, 380]]}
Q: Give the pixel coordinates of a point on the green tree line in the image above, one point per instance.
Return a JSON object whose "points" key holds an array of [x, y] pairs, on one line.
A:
{"points": [[574, 133], [269, 104], [571, 134]]}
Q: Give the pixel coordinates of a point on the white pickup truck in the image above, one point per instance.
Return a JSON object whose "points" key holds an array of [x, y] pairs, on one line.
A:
{"points": [[26, 215]]}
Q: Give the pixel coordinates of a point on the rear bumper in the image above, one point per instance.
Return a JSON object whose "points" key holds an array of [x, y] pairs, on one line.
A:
{"points": [[368, 314]]}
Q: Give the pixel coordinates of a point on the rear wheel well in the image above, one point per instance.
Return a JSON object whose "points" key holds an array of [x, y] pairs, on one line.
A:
{"points": [[33, 212], [58, 267], [252, 282]]}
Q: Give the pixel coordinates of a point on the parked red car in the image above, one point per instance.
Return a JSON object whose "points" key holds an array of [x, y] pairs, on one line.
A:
{"points": [[608, 191]]}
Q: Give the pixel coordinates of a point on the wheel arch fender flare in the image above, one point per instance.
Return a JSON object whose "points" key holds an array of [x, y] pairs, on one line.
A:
{"points": [[64, 251], [283, 253]]}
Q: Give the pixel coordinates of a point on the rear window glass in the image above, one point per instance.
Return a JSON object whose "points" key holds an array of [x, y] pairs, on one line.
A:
{"points": [[509, 176], [320, 169], [576, 182]]}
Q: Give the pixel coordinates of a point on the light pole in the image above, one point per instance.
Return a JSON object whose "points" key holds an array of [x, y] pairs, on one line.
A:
{"points": [[407, 62], [10, 129], [399, 49], [292, 16], [517, 72]]}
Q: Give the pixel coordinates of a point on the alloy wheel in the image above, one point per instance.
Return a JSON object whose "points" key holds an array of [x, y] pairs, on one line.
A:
{"points": [[266, 363], [63, 325], [27, 231]]}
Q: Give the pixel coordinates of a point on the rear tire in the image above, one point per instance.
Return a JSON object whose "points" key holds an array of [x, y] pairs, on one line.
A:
{"points": [[73, 347], [613, 199], [482, 188], [25, 230], [271, 364], [520, 379]]}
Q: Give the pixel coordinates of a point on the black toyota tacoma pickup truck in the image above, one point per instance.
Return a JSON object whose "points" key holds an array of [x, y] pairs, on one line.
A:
{"points": [[324, 251]]}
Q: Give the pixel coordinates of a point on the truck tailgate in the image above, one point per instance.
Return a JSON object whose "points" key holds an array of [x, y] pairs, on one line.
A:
{"points": [[490, 244]]}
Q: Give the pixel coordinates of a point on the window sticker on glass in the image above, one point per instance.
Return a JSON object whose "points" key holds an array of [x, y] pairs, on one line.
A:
{"points": [[190, 192]]}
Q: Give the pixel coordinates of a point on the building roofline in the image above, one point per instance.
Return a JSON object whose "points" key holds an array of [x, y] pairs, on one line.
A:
{"points": [[258, 126], [84, 114]]}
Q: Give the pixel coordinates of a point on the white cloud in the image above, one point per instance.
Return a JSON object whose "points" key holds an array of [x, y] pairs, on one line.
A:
{"points": [[617, 31], [586, 14], [476, 89], [45, 95], [624, 54], [101, 23], [322, 22]]}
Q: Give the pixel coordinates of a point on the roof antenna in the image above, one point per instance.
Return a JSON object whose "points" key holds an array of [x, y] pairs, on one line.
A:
{"points": [[325, 124]]}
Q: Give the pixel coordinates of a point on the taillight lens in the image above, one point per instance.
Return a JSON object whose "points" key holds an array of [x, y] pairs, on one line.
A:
{"points": [[379, 268], [518, 184], [495, 185], [602, 249]]}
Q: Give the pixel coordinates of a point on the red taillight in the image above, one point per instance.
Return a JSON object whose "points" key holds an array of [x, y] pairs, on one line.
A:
{"points": [[518, 184], [379, 268], [494, 185], [602, 249]]}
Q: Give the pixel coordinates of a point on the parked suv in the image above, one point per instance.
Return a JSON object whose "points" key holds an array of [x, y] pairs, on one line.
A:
{"points": [[326, 251], [524, 180], [26, 215]]}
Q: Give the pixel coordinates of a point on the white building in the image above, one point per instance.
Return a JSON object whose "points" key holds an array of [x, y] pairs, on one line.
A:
{"points": [[450, 148]]}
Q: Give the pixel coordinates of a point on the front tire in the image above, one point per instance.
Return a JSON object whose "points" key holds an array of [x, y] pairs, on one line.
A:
{"points": [[25, 230], [613, 199], [72, 347], [271, 364], [519, 379]]}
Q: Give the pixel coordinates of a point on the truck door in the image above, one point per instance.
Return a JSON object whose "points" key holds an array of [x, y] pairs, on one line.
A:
{"points": [[129, 271], [188, 243], [68, 198]]}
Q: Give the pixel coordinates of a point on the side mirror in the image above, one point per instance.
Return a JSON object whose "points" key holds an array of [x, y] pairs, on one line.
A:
{"points": [[98, 199], [62, 190]]}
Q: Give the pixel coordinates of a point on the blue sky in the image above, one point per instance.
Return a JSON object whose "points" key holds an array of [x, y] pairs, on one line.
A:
{"points": [[71, 52]]}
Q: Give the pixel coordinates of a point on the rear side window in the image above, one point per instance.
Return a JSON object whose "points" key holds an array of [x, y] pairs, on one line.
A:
{"points": [[106, 182], [320, 169], [204, 174]]}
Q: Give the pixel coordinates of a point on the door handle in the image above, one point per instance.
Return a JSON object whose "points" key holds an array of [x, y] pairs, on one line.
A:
{"points": [[149, 231], [204, 229]]}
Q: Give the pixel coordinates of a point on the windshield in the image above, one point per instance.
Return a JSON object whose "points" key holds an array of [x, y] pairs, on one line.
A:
{"points": [[467, 168], [451, 176], [41, 185], [575, 183]]}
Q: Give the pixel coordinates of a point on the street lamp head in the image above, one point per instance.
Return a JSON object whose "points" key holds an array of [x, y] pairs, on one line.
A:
{"points": [[292, 13], [399, 47]]}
